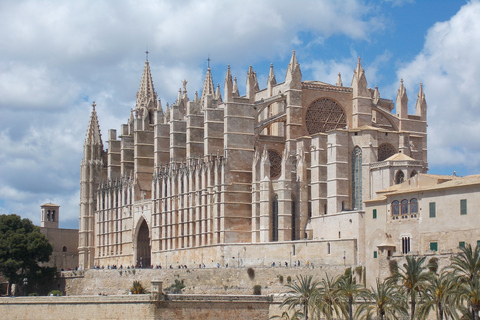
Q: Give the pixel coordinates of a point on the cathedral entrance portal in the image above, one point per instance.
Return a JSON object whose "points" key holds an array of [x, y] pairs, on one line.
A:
{"points": [[143, 246]]}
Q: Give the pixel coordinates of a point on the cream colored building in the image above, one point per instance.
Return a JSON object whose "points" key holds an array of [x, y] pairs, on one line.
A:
{"points": [[279, 173], [64, 241], [428, 214]]}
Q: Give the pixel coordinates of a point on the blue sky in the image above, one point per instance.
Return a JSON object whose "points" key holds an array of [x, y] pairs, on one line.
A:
{"points": [[56, 57]]}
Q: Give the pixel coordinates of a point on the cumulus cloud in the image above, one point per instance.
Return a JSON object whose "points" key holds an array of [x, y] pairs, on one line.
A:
{"points": [[56, 57], [449, 67]]}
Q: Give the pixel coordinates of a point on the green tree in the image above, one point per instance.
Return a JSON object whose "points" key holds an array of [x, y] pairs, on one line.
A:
{"points": [[22, 247], [438, 295], [349, 291], [301, 294], [466, 265], [327, 298], [413, 276], [385, 301]]}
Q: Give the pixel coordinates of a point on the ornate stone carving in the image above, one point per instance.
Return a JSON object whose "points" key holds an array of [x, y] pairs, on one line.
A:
{"points": [[324, 115]]}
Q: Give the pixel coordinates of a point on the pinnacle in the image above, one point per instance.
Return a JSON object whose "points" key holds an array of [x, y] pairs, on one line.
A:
{"points": [[146, 93], [208, 87], [94, 136]]}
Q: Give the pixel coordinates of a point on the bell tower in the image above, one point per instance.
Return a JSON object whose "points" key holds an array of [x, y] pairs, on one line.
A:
{"points": [[50, 215]]}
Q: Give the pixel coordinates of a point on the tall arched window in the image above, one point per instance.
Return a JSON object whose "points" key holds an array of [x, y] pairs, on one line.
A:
{"points": [[399, 177], [413, 174], [357, 178], [404, 206], [294, 220], [275, 218], [413, 206], [395, 208]]}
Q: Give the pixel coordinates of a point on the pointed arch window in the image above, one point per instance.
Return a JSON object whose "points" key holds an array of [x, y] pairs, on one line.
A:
{"points": [[357, 178], [399, 177], [413, 174], [275, 218]]}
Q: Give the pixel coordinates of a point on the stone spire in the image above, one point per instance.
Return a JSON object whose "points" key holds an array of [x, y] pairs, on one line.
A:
{"points": [[146, 95], [359, 82], [228, 87], [271, 80], [250, 84], [421, 105], [218, 94], [339, 80], [94, 137], [235, 92], [376, 95], [294, 75], [402, 101], [208, 87]]}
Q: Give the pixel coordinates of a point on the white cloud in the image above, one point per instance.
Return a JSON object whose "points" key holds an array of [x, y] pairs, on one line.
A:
{"points": [[57, 56], [449, 66]]}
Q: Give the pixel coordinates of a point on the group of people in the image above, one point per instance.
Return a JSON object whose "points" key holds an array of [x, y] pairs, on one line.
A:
{"points": [[295, 264]]}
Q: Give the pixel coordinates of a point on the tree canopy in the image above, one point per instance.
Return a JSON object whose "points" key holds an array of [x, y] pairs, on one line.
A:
{"points": [[22, 247]]}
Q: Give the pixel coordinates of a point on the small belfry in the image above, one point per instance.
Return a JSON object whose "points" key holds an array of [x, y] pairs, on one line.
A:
{"points": [[280, 166]]}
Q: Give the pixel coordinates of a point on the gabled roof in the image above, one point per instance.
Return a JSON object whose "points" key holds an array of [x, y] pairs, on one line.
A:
{"points": [[400, 157], [427, 182]]}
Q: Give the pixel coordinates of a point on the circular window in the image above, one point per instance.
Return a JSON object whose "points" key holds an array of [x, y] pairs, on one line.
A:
{"points": [[385, 151], [275, 164], [324, 115]]}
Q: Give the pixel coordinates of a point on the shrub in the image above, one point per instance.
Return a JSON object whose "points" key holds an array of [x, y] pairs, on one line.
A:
{"points": [[137, 288], [289, 279], [257, 289], [55, 293], [176, 287], [280, 278], [251, 273]]}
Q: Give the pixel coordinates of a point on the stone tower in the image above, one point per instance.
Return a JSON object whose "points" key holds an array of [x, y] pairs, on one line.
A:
{"points": [[50, 215], [91, 172]]}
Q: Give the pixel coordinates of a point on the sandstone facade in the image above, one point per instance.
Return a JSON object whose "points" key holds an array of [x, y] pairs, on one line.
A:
{"points": [[206, 180]]}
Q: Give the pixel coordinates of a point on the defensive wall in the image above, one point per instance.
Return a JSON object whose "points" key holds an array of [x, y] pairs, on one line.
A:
{"points": [[137, 307], [231, 280]]}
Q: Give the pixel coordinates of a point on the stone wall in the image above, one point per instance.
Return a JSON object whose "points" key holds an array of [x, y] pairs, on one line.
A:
{"points": [[197, 281], [136, 307]]}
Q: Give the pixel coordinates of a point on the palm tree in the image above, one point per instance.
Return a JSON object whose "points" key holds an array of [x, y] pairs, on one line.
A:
{"points": [[413, 277], [384, 301], [439, 295], [349, 291], [327, 299], [466, 265], [301, 294], [469, 294], [296, 315]]}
